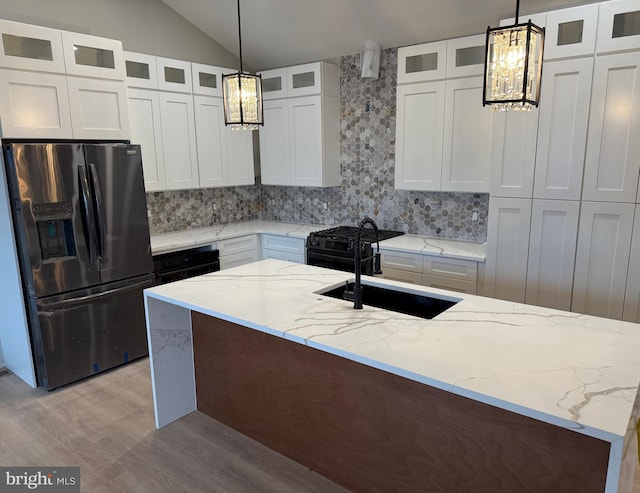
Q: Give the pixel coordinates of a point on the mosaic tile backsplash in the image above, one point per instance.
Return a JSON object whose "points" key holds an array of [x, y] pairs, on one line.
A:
{"points": [[368, 115]]}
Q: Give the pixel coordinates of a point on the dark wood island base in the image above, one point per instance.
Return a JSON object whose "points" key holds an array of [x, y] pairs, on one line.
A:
{"points": [[370, 430]]}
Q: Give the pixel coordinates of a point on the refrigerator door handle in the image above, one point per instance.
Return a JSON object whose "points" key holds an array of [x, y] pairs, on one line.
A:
{"points": [[88, 213], [99, 210], [48, 309]]}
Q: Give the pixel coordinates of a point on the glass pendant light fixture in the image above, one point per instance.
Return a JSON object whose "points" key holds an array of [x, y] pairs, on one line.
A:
{"points": [[513, 66], [242, 96]]}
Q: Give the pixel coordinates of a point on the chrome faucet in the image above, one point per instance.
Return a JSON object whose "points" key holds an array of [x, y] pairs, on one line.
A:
{"points": [[356, 293]]}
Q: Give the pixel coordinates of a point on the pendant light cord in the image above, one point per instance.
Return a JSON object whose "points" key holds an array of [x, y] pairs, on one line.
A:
{"points": [[240, 36], [517, 15]]}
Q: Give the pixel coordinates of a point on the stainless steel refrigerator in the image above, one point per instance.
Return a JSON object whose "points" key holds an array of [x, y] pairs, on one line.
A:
{"points": [[82, 234]]}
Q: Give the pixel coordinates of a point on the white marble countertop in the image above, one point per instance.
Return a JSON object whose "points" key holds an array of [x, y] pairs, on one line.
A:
{"points": [[179, 240], [571, 370], [465, 250], [188, 238]]}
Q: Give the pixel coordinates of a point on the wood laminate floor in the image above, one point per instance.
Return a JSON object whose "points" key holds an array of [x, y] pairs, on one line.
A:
{"points": [[105, 425]]}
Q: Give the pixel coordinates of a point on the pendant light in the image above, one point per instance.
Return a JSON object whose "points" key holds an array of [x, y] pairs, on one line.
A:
{"points": [[242, 96], [513, 66]]}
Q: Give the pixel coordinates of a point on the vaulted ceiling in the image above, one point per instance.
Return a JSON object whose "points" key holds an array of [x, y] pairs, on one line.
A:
{"points": [[277, 33]]}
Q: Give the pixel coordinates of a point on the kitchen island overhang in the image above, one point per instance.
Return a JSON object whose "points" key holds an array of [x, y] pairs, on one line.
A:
{"points": [[569, 370]]}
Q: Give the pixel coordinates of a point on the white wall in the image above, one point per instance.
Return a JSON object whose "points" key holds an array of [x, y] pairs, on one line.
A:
{"points": [[145, 26]]}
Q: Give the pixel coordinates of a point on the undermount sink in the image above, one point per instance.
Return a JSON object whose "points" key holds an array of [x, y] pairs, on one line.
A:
{"points": [[410, 303]]}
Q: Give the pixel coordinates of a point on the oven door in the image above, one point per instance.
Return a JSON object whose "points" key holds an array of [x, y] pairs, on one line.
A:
{"points": [[338, 262]]}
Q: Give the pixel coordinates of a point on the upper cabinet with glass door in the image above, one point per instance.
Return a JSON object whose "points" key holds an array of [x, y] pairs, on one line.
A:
{"points": [[465, 56], [174, 75], [207, 79], [141, 70], [618, 26], [29, 47], [91, 56], [571, 32], [300, 80], [423, 62]]}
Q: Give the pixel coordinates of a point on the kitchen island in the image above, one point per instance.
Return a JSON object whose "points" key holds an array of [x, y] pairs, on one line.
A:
{"points": [[512, 396]]}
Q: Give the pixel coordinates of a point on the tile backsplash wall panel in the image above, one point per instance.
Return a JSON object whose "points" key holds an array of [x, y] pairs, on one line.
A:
{"points": [[368, 127], [187, 209]]}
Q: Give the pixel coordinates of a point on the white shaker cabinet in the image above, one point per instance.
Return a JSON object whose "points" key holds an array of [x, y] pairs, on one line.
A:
{"points": [[423, 62], [146, 130], [618, 26], [552, 249], [210, 144], [467, 137], [562, 129], [34, 105], [225, 157], [98, 108], [207, 79], [174, 75], [274, 143], [513, 153], [239, 157], [602, 258], [419, 136], [238, 251], [141, 70], [570, 32], [631, 311], [300, 140], [507, 248], [28, 47], [282, 248], [91, 56], [179, 140], [612, 160]]}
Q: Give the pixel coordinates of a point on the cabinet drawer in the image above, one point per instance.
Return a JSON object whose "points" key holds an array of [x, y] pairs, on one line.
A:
{"points": [[465, 270], [402, 261], [450, 284], [236, 245], [236, 259], [283, 243], [280, 255], [402, 275]]}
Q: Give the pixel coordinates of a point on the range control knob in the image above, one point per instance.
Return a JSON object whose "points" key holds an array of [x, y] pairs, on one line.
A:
{"points": [[314, 241]]}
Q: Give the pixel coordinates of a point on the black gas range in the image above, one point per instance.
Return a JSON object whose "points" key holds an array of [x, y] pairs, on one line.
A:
{"points": [[334, 248]]}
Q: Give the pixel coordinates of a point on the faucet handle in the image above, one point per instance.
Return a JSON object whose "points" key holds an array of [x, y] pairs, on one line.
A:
{"points": [[348, 294], [377, 269]]}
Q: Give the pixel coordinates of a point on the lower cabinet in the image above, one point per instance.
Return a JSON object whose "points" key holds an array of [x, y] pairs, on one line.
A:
{"points": [[631, 311], [507, 248], [430, 270], [552, 251], [283, 248], [602, 258], [238, 251]]}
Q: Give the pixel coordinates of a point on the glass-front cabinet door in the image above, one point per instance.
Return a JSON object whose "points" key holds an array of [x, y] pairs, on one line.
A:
{"points": [[30, 47], [618, 26], [207, 79], [274, 83], [141, 70], [91, 56], [465, 56], [304, 80], [423, 62], [174, 75], [571, 32]]}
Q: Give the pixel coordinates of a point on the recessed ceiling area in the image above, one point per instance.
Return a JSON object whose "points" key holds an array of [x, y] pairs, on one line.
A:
{"points": [[277, 33]]}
